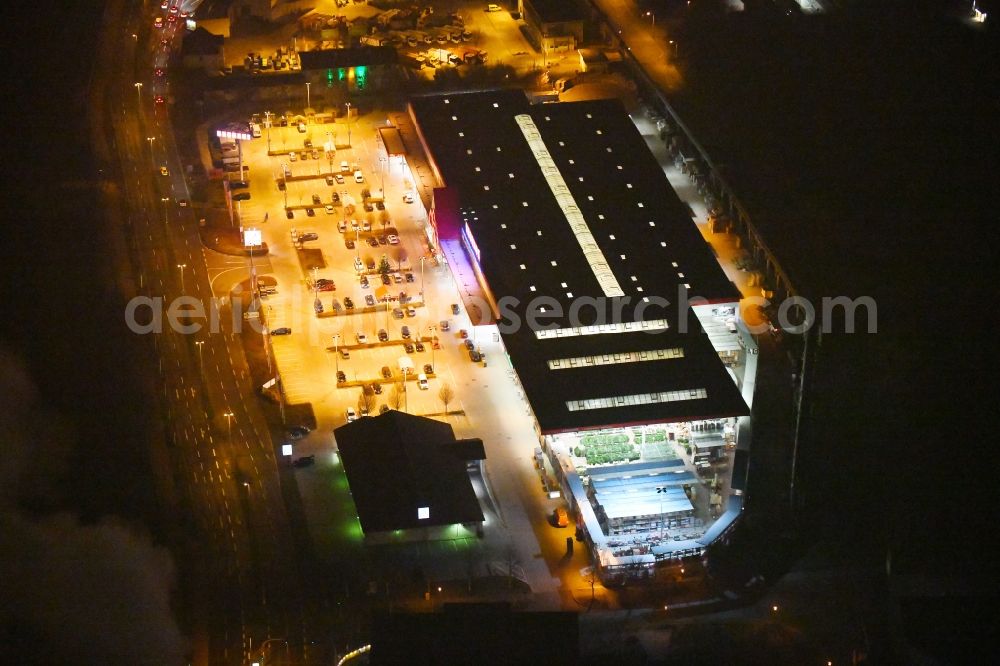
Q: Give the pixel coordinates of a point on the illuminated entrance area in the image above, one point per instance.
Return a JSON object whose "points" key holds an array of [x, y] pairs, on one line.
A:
{"points": [[648, 493]]}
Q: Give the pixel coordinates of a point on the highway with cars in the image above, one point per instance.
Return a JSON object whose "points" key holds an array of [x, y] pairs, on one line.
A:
{"points": [[239, 577]]}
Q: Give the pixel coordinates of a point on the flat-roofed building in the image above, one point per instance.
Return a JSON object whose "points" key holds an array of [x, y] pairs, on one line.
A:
{"points": [[612, 309]]}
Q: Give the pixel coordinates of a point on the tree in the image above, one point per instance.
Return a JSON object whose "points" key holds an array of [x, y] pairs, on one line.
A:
{"points": [[366, 401], [370, 219], [383, 217], [399, 254], [384, 267], [395, 399], [446, 394]]}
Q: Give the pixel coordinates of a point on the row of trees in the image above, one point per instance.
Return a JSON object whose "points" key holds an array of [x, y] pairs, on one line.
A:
{"points": [[367, 400]]}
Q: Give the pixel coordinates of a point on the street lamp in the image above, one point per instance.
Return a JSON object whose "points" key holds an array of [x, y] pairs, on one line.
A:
{"points": [[348, 124], [267, 125], [151, 139], [201, 362], [308, 100], [336, 351], [229, 426], [182, 267], [652, 16], [138, 91], [676, 48]]}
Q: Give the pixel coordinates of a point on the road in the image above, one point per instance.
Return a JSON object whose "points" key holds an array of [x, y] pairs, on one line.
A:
{"points": [[239, 576]]}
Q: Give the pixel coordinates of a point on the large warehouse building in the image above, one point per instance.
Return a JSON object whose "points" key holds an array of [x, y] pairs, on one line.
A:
{"points": [[587, 262]]}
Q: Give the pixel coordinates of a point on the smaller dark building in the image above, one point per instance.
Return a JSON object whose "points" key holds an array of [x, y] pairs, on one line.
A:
{"points": [[356, 69], [481, 634], [409, 473]]}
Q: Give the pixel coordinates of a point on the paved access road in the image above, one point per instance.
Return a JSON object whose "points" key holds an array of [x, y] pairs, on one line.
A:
{"points": [[238, 574]]}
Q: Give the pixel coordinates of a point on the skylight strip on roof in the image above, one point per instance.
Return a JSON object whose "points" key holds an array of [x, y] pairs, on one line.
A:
{"points": [[647, 326], [614, 358], [635, 399], [598, 263]]}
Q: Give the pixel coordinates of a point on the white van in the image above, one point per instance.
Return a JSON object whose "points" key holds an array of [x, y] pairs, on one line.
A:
{"points": [[359, 177], [255, 130], [422, 381]]}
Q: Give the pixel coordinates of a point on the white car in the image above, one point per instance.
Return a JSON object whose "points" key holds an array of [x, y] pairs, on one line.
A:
{"points": [[293, 156], [362, 338], [359, 177], [329, 209], [422, 382], [358, 264], [351, 415], [408, 197], [393, 239]]}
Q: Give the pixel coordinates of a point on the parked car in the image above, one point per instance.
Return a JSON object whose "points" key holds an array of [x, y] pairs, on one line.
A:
{"points": [[310, 212], [444, 324], [298, 431], [339, 178], [345, 354], [317, 306], [348, 243], [469, 344], [422, 382], [386, 280], [329, 209], [281, 330], [411, 311], [462, 333], [293, 156], [382, 335], [474, 356], [341, 377], [290, 214], [370, 263], [329, 180], [382, 240], [304, 461], [455, 310], [408, 347], [348, 303], [334, 197], [359, 177], [408, 197], [409, 277], [369, 300], [405, 332], [372, 242], [379, 205], [397, 313], [368, 209], [351, 414], [316, 199], [419, 346], [364, 281], [393, 239], [377, 388], [386, 372], [428, 369], [309, 236]]}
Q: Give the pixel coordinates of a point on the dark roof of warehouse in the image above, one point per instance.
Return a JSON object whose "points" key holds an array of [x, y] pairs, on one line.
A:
{"points": [[476, 633], [643, 231], [202, 42], [396, 463], [555, 11], [353, 57]]}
